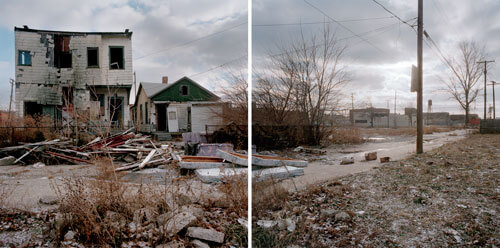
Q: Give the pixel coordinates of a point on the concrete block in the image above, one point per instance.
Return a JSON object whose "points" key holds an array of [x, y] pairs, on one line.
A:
{"points": [[371, 156], [282, 172], [205, 234], [218, 174], [385, 159], [347, 160], [272, 161]]}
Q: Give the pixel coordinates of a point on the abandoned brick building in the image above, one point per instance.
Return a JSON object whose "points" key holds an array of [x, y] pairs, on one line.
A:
{"points": [[67, 74]]}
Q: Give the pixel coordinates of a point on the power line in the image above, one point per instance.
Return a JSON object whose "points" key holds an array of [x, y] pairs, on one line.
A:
{"points": [[219, 66], [342, 25], [191, 41], [323, 22], [392, 13]]}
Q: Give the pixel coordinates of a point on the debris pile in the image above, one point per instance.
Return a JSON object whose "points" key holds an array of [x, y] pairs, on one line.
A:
{"points": [[275, 168]]}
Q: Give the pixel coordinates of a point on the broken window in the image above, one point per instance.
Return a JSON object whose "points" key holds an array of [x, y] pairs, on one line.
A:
{"points": [[92, 57], [184, 90], [116, 59], [62, 53], [24, 58]]}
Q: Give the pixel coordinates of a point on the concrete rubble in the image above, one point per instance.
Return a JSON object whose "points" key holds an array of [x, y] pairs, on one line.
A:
{"points": [[205, 234]]}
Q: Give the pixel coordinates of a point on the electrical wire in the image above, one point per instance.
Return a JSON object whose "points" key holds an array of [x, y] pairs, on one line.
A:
{"points": [[323, 22]]}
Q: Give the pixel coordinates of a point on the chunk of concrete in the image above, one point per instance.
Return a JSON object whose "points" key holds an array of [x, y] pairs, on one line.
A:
{"points": [[9, 160], [347, 160], [371, 156], [49, 200], [205, 234], [385, 159], [172, 244], [178, 222], [200, 244], [282, 172], [218, 174]]}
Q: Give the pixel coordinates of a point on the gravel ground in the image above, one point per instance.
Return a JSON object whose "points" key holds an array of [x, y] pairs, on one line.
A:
{"points": [[447, 197]]}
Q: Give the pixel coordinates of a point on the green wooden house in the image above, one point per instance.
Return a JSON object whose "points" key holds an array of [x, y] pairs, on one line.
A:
{"points": [[182, 106]]}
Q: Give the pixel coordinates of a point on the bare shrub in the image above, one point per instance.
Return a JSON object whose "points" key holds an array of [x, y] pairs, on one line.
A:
{"points": [[267, 196], [345, 136], [235, 190], [27, 129]]}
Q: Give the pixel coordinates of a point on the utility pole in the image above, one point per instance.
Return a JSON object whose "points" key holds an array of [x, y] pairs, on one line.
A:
{"points": [[10, 102], [352, 109], [485, 62], [420, 123], [493, 83], [395, 121]]}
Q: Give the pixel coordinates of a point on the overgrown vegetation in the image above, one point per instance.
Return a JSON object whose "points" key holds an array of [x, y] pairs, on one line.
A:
{"points": [[26, 129]]}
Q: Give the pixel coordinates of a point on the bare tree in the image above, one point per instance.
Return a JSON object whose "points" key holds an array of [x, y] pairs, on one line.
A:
{"points": [[303, 82], [236, 95], [462, 82]]}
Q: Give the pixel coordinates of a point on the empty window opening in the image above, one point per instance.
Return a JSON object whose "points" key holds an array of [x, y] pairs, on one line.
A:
{"points": [[92, 57], [361, 121], [33, 109], [140, 114], [116, 60], [24, 58], [184, 90], [146, 112], [62, 53], [172, 115]]}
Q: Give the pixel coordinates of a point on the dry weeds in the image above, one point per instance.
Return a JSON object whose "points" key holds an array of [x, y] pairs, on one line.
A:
{"points": [[447, 197]]}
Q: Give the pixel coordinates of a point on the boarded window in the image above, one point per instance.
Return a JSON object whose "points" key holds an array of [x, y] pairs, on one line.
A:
{"points": [[24, 58], [62, 54], [92, 56], [184, 90], [172, 115], [98, 98], [116, 59]]}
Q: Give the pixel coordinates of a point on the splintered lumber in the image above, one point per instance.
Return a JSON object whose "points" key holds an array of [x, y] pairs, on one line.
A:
{"points": [[26, 154], [42, 143], [136, 165], [146, 160], [272, 161], [66, 157]]}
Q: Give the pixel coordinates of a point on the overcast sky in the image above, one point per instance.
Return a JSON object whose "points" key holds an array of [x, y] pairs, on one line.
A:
{"points": [[380, 68], [159, 29], [377, 69]]}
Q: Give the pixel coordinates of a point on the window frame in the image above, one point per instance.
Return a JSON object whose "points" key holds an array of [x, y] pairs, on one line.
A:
{"points": [[19, 57], [181, 91], [97, 55], [123, 57]]}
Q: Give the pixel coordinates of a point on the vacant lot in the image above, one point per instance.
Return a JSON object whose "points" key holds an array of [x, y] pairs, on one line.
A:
{"points": [[446, 197]]}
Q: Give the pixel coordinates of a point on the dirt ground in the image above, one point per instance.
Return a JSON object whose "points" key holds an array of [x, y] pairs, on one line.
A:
{"points": [[447, 197]]}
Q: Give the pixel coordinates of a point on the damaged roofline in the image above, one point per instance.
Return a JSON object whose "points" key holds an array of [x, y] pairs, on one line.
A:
{"points": [[126, 33]]}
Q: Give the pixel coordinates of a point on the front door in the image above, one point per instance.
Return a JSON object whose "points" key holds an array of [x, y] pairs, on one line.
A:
{"points": [[161, 109], [116, 111], [173, 123]]}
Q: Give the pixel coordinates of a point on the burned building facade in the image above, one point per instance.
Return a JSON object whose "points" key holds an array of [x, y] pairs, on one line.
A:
{"points": [[74, 74]]}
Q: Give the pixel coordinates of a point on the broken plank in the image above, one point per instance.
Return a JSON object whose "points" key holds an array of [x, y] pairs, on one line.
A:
{"points": [[26, 154], [69, 158], [146, 160]]}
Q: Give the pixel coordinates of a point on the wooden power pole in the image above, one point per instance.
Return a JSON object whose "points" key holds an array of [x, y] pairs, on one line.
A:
{"points": [[493, 83], [485, 62], [420, 123]]}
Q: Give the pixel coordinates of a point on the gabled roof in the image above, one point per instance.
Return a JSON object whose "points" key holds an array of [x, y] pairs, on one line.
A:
{"points": [[152, 89], [190, 80]]}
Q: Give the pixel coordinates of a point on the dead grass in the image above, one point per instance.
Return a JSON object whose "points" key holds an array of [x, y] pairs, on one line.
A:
{"points": [[345, 136], [235, 190], [267, 196]]}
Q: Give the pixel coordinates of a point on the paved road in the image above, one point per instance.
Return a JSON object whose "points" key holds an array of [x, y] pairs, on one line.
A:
{"points": [[395, 147]]}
